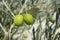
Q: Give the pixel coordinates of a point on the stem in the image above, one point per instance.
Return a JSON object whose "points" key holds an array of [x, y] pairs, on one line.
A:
{"points": [[2, 28], [23, 6], [33, 33], [6, 37], [8, 9], [12, 26]]}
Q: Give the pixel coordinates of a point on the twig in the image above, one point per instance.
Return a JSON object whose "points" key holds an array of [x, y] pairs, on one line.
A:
{"points": [[12, 26], [6, 33], [14, 32], [23, 6], [6, 37], [3, 28], [8, 8]]}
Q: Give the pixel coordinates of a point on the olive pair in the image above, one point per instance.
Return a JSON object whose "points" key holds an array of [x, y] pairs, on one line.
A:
{"points": [[27, 18]]}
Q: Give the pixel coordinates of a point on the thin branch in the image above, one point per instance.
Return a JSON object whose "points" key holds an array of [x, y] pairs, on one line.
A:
{"points": [[12, 26], [3, 28], [6, 37], [8, 8], [21, 10], [14, 32]]}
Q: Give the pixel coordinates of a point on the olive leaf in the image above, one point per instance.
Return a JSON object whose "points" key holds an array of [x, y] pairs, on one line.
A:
{"points": [[33, 10]]}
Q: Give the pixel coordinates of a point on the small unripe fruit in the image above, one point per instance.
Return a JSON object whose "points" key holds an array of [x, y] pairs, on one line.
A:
{"points": [[18, 20], [29, 19], [25, 35], [52, 20]]}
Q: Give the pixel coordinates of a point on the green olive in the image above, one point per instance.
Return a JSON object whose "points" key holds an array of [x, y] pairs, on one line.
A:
{"points": [[18, 20], [52, 20], [29, 19]]}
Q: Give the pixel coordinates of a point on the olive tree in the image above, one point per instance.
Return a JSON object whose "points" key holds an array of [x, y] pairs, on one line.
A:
{"points": [[44, 12]]}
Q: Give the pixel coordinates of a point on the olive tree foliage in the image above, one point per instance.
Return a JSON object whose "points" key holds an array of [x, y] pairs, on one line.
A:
{"points": [[42, 10]]}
